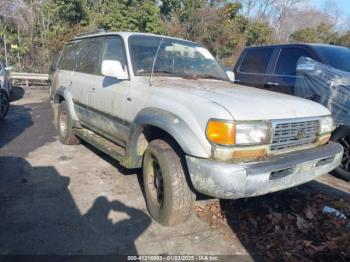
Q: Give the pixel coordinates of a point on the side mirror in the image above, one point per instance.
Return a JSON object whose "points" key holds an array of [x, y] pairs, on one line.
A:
{"points": [[112, 68], [8, 68], [230, 76]]}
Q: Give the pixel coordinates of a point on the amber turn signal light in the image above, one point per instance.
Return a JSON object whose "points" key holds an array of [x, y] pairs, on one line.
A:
{"points": [[221, 133], [322, 140]]}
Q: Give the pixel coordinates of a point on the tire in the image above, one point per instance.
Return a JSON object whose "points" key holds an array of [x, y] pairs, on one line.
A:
{"points": [[4, 104], [64, 124], [342, 136], [168, 197]]}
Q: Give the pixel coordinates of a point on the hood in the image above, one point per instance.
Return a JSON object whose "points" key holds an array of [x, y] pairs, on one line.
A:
{"points": [[246, 103]]}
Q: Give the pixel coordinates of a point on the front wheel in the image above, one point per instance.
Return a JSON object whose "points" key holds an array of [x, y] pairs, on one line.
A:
{"points": [[168, 196], [342, 136], [4, 104]]}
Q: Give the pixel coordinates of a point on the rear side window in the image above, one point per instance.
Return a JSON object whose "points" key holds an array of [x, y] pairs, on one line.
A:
{"points": [[114, 50], [256, 61], [69, 57], [288, 59], [90, 56]]}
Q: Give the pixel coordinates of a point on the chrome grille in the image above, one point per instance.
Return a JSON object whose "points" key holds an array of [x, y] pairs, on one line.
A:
{"points": [[294, 134]]}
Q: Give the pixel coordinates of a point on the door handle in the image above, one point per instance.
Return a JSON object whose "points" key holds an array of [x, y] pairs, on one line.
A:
{"points": [[271, 84], [93, 89], [70, 83]]}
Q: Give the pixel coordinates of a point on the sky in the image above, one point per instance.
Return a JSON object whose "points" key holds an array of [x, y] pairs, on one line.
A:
{"points": [[344, 5]]}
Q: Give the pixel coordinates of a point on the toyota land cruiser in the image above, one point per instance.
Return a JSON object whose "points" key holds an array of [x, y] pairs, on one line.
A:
{"points": [[166, 105]]}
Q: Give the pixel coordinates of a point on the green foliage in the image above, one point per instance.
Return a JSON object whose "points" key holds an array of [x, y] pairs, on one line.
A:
{"points": [[258, 34], [134, 15], [170, 7], [320, 34], [70, 10]]}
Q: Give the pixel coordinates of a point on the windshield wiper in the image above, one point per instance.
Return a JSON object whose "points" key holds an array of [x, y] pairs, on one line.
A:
{"points": [[208, 77], [160, 72]]}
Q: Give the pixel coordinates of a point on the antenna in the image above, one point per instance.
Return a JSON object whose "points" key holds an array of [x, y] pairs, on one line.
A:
{"points": [[154, 61]]}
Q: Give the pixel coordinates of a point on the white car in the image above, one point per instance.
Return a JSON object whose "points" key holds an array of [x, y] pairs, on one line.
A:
{"points": [[5, 90], [166, 105]]}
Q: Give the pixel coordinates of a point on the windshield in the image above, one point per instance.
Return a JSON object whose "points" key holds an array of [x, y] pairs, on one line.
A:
{"points": [[174, 58], [335, 56]]}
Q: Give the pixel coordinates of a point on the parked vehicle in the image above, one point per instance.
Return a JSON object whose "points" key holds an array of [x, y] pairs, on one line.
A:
{"points": [[5, 90], [165, 104], [274, 68]]}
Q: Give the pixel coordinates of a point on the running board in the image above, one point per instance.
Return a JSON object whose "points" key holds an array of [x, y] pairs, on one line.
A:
{"points": [[106, 146]]}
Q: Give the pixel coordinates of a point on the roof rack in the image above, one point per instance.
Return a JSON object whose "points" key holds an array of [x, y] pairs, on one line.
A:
{"points": [[90, 33]]}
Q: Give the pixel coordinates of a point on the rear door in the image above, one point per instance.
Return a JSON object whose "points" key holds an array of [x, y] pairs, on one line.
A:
{"points": [[253, 66], [283, 74], [63, 76], [86, 79]]}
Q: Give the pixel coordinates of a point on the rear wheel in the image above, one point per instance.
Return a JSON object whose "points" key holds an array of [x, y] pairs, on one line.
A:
{"points": [[4, 104], [342, 136], [168, 196], [65, 130]]}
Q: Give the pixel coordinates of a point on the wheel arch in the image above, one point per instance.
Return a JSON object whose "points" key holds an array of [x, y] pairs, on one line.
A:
{"points": [[62, 94], [153, 123]]}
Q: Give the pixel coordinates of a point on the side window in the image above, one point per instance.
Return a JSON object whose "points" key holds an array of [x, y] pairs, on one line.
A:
{"points": [[256, 61], [90, 56], [288, 59], [69, 56], [114, 50]]}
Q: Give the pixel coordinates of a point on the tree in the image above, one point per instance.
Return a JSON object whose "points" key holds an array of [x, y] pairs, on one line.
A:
{"points": [[70, 10], [321, 34], [133, 15]]}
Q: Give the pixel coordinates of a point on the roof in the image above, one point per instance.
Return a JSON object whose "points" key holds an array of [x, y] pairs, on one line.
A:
{"points": [[125, 35], [313, 45]]}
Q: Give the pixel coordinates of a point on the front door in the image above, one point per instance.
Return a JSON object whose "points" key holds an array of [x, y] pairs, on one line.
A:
{"points": [[108, 96], [284, 75]]}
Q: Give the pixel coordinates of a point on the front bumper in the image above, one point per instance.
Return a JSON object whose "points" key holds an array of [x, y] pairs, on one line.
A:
{"points": [[237, 180]]}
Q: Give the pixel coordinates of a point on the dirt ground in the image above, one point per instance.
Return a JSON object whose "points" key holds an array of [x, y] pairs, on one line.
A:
{"points": [[74, 200]]}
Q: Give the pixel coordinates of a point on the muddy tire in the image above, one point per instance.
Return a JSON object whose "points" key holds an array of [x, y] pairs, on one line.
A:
{"points": [[168, 196], [342, 136], [64, 124], [4, 104]]}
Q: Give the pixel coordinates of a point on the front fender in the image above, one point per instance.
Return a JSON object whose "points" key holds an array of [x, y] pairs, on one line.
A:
{"points": [[170, 123]]}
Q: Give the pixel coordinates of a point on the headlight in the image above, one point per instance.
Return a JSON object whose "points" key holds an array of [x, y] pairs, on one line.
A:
{"points": [[326, 125], [254, 133], [235, 133]]}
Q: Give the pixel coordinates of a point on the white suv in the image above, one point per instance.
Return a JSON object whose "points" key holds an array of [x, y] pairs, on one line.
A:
{"points": [[166, 105]]}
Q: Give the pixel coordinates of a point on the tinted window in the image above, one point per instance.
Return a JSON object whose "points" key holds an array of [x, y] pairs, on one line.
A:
{"points": [[336, 56], [288, 59], [90, 56], [256, 60], [114, 50], [69, 57]]}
